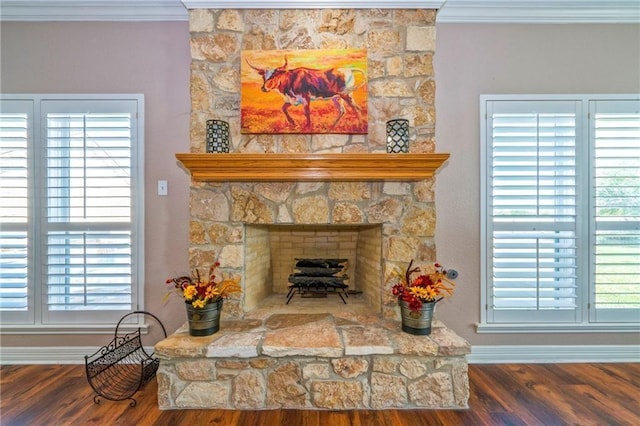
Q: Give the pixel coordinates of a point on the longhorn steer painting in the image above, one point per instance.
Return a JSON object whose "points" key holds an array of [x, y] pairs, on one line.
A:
{"points": [[304, 91]]}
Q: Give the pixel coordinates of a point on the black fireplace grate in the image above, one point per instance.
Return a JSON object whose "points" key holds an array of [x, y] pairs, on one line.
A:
{"points": [[318, 277]]}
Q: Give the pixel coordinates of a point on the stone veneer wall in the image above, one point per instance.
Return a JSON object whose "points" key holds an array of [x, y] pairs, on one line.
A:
{"points": [[400, 46]]}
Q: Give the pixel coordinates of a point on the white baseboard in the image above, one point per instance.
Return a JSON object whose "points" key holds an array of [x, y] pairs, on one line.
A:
{"points": [[49, 355], [479, 354], [553, 354]]}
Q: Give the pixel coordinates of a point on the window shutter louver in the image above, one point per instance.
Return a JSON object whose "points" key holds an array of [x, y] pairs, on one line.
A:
{"points": [[89, 167], [71, 211], [532, 212], [89, 238], [14, 202], [616, 207], [561, 217], [89, 270]]}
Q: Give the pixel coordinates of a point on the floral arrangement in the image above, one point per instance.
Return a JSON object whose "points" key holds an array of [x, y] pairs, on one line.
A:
{"points": [[429, 287], [199, 291]]}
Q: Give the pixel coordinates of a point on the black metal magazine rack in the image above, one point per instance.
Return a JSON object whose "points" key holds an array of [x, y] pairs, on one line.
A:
{"points": [[119, 369]]}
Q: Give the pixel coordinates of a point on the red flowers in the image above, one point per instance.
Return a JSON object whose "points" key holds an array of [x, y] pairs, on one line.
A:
{"points": [[429, 287]]}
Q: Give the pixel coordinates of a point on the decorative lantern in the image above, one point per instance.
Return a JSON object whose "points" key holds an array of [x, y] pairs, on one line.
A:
{"points": [[398, 136], [217, 136]]}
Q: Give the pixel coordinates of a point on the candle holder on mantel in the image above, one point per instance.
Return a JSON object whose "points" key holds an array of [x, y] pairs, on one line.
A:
{"points": [[398, 136], [217, 136]]}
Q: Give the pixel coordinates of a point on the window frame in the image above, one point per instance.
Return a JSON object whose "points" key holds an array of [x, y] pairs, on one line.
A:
{"points": [[39, 320], [585, 320]]}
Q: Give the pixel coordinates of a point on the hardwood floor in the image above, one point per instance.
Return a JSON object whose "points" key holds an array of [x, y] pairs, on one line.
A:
{"points": [[528, 394]]}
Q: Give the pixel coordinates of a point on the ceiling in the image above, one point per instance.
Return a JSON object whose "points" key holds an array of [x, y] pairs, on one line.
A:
{"points": [[494, 11]]}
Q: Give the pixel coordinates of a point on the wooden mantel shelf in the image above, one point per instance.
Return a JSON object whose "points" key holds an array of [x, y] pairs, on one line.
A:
{"points": [[311, 167]]}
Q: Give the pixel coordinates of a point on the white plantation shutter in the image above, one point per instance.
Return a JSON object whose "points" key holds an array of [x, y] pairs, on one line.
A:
{"points": [[15, 135], [616, 210], [85, 210], [532, 211], [561, 212], [88, 224]]}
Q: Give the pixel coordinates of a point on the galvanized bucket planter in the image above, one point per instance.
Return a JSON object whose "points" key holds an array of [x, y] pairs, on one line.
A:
{"points": [[204, 321], [417, 322]]}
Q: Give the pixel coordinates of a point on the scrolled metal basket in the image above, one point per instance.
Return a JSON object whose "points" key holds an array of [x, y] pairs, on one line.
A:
{"points": [[119, 369]]}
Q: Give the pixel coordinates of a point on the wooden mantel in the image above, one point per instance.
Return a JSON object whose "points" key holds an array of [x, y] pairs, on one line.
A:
{"points": [[311, 167]]}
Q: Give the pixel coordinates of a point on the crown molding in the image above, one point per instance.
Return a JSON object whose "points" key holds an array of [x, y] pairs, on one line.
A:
{"points": [[450, 11], [540, 11], [92, 10], [313, 4]]}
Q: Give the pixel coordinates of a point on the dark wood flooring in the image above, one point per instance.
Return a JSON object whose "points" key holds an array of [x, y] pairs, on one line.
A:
{"points": [[539, 394]]}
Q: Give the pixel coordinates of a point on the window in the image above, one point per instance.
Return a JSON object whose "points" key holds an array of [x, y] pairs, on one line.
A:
{"points": [[561, 212], [71, 209]]}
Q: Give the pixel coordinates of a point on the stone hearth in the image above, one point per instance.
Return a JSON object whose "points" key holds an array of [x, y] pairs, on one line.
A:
{"points": [[313, 361]]}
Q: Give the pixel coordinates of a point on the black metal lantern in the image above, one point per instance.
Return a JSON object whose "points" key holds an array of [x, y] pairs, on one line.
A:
{"points": [[398, 136], [217, 136]]}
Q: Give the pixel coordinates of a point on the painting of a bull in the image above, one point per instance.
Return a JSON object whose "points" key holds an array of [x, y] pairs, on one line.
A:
{"points": [[270, 95]]}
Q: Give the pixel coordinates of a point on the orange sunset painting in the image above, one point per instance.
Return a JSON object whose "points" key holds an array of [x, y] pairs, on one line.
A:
{"points": [[304, 91]]}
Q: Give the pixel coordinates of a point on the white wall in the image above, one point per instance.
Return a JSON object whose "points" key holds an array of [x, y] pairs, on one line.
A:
{"points": [[153, 58], [109, 57]]}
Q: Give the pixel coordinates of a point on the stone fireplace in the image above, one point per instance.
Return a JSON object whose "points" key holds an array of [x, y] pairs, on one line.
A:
{"points": [[400, 48], [245, 227], [256, 223]]}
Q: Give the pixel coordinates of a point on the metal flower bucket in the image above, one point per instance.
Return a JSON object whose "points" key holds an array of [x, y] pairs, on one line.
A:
{"points": [[204, 321], [417, 322]]}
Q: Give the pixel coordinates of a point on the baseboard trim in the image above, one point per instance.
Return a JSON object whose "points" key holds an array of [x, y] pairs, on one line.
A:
{"points": [[479, 354], [531, 354], [49, 355]]}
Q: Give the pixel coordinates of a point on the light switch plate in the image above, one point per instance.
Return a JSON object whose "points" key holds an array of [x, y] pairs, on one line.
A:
{"points": [[162, 188]]}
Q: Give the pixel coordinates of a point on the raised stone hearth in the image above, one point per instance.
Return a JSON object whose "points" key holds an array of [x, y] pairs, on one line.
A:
{"points": [[313, 361]]}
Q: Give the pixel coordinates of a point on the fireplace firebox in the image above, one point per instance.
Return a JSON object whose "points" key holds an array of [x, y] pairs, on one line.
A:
{"points": [[313, 261]]}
